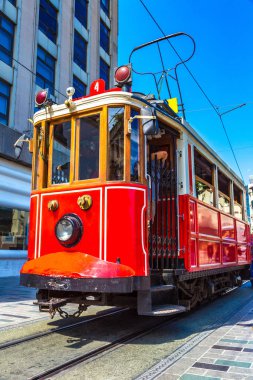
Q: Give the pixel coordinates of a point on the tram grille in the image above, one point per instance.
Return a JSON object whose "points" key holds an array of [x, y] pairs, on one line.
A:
{"points": [[163, 253]]}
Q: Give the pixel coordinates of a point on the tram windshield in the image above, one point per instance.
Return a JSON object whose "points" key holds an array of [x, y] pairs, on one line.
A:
{"points": [[96, 146], [87, 147]]}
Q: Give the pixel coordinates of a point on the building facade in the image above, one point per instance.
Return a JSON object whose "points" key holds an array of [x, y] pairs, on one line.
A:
{"points": [[50, 44]]}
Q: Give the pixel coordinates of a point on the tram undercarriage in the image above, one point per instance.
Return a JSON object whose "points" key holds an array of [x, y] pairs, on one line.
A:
{"points": [[170, 292]]}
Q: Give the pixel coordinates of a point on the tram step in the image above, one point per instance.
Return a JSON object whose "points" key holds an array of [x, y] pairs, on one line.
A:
{"points": [[165, 310], [161, 288]]}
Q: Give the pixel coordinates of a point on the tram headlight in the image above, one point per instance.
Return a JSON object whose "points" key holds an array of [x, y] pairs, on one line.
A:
{"points": [[68, 230]]}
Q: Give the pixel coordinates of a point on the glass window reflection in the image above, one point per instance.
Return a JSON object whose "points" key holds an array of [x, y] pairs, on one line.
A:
{"points": [[61, 153], [116, 143], [13, 229], [135, 159], [89, 147]]}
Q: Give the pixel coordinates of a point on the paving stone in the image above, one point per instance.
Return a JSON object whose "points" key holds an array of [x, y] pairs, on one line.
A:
{"points": [[214, 367], [167, 376], [223, 375], [197, 371], [187, 376], [233, 363], [207, 359], [180, 367], [246, 371]]}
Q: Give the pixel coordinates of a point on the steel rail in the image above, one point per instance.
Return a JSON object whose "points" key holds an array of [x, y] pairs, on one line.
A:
{"points": [[113, 345], [56, 330], [106, 348]]}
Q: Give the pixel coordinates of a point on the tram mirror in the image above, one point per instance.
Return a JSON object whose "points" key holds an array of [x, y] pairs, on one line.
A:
{"points": [[150, 122], [18, 146]]}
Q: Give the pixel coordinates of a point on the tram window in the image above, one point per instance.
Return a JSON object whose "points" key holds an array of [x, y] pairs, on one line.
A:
{"points": [[116, 143], [203, 178], [135, 154], [238, 195], [89, 127], [61, 153], [224, 193]]}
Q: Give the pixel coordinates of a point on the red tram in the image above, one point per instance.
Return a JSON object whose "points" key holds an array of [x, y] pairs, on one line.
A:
{"points": [[129, 206]]}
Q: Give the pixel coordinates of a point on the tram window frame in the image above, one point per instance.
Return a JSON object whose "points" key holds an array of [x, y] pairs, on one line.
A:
{"points": [[238, 201], [121, 160], [225, 195], [77, 126], [40, 155], [51, 150], [35, 160], [206, 185]]}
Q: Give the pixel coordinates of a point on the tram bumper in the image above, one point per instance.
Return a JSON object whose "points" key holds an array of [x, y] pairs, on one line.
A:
{"points": [[78, 272]]}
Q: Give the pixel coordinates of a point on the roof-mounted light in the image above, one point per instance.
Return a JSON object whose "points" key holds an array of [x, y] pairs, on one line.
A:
{"points": [[42, 99], [123, 76]]}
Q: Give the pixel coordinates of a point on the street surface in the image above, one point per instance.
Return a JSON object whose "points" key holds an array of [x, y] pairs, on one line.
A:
{"points": [[214, 341]]}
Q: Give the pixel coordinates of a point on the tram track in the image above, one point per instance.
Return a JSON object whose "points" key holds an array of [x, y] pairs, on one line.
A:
{"points": [[16, 342], [112, 345], [101, 350], [42, 356]]}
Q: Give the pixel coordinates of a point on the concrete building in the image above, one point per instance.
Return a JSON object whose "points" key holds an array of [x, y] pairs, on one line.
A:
{"points": [[50, 44]]}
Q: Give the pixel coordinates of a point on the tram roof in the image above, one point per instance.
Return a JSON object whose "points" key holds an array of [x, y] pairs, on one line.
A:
{"points": [[117, 97]]}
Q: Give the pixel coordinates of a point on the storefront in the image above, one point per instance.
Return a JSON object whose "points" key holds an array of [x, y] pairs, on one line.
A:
{"points": [[14, 216]]}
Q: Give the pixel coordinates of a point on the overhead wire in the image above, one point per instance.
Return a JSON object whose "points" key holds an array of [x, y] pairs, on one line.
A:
{"points": [[198, 85], [219, 107], [33, 73]]}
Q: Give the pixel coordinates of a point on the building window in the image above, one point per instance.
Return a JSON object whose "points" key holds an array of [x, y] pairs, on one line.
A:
{"points": [[81, 11], [104, 37], [79, 87], [6, 39], [13, 2], [105, 5], [80, 51], [48, 20], [13, 229], [203, 178], [5, 90], [45, 70], [105, 72]]}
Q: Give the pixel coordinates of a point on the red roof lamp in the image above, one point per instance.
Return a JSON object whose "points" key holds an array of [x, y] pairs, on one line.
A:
{"points": [[41, 97], [123, 75]]}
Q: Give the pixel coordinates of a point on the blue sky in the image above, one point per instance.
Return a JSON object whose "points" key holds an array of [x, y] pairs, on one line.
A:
{"points": [[222, 64]]}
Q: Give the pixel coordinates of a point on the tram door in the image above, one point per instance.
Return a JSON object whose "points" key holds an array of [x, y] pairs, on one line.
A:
{"points": [[162, 203]]}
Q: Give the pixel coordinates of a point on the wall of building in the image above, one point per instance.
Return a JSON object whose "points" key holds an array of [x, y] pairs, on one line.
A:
{"points": [[14, 198], [15, 174]]}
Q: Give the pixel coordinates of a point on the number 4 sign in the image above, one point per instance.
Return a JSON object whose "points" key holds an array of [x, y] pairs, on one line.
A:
{"points": [[97, 87]]}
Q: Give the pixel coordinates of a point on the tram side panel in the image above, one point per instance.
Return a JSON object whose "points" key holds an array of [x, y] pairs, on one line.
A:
{"points": [[33, 226], [125, 227], [209, 238], [114, 229], [68, 204]]}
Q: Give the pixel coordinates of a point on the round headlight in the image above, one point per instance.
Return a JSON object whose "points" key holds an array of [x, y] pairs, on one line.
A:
{"points": [[69, 230]]}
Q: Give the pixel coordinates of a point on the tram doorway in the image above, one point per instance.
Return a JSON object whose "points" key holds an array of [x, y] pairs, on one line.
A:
{"points": [[163, 199]]}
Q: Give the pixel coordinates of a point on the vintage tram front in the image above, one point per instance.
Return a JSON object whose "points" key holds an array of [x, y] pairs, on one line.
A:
{"points": [[114, 219]]}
